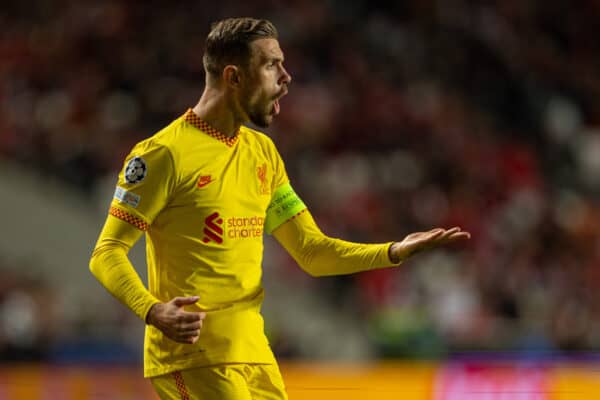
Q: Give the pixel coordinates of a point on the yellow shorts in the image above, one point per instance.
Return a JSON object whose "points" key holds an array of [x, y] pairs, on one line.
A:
{"points": [[222, 382]]}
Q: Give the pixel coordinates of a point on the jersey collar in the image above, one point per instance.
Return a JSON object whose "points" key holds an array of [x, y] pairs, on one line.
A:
{"points": [[191, 118]]}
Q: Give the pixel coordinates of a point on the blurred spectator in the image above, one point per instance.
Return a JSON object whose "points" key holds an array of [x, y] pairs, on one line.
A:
{"points": [[26, 317]]}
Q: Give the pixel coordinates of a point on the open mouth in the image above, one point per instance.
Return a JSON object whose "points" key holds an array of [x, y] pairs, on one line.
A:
{"points": [[276, 106]]}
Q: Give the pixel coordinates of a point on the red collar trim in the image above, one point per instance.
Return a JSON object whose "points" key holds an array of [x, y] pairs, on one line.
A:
{"points": [[191, 118]]}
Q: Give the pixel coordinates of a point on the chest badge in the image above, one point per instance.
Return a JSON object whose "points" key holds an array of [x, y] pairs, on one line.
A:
{"points": [[261, 172], [204, 180]]}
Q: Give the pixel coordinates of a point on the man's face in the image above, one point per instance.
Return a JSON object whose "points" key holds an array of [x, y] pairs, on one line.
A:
{"points": [[266, 82]]}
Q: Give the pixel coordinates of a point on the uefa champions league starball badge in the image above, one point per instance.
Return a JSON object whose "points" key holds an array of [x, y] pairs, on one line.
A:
{"points": [[135, 171]]}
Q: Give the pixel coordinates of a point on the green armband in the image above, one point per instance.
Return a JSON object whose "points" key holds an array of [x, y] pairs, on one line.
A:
{"points": [[285, 204]]}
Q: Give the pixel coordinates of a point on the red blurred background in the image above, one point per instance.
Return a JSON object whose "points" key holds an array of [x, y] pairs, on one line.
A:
{"points": [[401, 116]]}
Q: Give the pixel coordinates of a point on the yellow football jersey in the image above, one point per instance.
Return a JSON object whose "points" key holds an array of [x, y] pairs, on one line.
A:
{"points": [[202, 199]]}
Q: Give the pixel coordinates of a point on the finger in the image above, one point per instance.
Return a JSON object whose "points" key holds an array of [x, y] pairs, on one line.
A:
{"points": [[189, 337], [186, 339], [194, 332], [190, 326], [460, 235], [188, 334], [450, 232], [186, 316], [184, 301], [434, 233], [454, 237]]}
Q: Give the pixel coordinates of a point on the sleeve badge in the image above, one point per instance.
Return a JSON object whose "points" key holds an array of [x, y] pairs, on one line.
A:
{"points": [[136, 170]]}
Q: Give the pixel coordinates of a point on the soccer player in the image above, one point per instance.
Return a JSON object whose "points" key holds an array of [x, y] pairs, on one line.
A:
{"points": [[204, 190]]}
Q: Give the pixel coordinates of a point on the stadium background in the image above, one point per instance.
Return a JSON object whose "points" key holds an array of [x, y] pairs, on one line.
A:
{"points": [[401, 116]]}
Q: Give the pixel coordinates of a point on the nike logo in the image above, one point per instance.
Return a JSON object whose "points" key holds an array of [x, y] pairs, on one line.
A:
{"points": [[204, 180]]}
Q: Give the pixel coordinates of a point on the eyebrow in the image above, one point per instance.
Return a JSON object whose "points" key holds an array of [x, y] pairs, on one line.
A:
{"points": [[268, 59]]}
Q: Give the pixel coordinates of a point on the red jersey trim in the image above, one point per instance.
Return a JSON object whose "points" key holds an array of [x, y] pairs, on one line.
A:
{"points": [[295, 216], [191, 118], [129, 218], [181, 388]]}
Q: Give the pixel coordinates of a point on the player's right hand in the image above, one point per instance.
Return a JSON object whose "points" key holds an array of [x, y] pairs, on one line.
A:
{"points": [[176, 323]]}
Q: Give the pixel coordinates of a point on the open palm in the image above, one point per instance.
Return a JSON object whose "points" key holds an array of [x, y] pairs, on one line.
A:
{"points": [[420, 241]]}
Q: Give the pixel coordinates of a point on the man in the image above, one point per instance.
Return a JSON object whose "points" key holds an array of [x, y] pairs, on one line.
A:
{"points": [[204, 189]]}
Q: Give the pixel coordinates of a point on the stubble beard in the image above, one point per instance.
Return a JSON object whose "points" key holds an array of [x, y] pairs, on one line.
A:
{"points": [[259, 109], [260, 116], [260, 119]]}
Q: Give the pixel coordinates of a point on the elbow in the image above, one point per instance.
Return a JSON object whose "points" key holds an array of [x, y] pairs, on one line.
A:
{"points": [[310, 269], [310, 259], [104, 257], [304, 260], [94, 265], [99, 260], [314, 274]]}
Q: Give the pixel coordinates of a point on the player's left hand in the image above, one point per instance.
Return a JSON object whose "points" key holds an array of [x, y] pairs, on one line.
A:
{"points": [[420, 241]]}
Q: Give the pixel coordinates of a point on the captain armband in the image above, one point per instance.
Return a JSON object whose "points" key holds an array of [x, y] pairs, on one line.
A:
{"points": [[285, 204]]}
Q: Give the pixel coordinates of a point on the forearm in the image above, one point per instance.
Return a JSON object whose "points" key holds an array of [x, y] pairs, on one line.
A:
{"points": [[111, 266], [328, 256], [320, 255]]}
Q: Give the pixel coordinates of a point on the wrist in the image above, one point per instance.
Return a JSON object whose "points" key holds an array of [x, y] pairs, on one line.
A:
{"points": [[150, 315], [393, 253]]}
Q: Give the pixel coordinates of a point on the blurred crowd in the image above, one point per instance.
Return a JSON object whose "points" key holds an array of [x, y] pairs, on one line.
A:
{"points": [[402, 116]]}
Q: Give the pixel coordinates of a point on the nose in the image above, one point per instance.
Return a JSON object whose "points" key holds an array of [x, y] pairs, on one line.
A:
{"points": [[285, 78]]}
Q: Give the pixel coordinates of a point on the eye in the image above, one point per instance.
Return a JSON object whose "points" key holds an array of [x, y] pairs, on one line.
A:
{"points": [[275, 63]]}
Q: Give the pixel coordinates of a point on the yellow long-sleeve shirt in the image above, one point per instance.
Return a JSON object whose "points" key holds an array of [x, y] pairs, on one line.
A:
{"points": [[204, 201]]}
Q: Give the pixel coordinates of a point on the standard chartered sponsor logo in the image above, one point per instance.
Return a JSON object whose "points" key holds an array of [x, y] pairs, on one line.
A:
{"points": [[217, 227], [245, 227]]}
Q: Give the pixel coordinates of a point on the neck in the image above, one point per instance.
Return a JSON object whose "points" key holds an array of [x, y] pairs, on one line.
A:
{"points": [[215, 109]]}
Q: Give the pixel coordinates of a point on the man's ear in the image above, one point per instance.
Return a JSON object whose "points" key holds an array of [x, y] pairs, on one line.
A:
{"points": [[232, 75]]}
